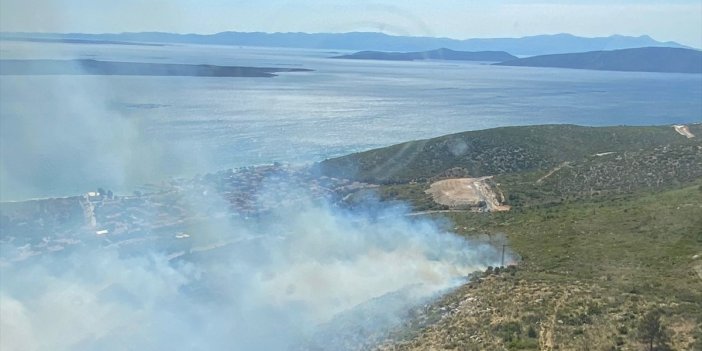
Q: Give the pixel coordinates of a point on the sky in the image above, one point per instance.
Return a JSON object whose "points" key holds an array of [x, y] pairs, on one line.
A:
{"points": [[676, 20]]}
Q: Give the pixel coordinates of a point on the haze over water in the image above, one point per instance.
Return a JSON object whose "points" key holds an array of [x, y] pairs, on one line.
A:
{"points": [[145, 129]]}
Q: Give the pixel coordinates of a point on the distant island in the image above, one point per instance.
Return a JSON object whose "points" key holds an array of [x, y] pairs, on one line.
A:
{"points": [[356, 41], [648, 59], [76, 41], [439, 54], [94, 67]]}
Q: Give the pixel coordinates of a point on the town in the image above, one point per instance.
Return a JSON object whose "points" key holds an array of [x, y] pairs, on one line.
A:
{"points": [[169, 212]]}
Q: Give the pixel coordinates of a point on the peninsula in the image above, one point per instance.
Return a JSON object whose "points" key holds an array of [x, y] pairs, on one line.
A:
{"points": [[95, 67], [647, 59], [439, 54]]}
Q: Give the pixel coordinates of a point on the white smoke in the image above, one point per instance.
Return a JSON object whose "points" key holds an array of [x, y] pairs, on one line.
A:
{"points": [[269, 289], [272, 283], [65, 134]]}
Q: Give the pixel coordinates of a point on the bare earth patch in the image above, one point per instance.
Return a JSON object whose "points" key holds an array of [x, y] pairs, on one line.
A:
{"points": [[683, 130], [466, 193]]}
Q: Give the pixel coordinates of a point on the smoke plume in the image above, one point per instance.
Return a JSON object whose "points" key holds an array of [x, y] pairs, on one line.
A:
{"points": [[271, 286]]}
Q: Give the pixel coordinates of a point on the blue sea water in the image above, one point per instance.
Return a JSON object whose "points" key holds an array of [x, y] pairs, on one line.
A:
{"points": [[63, 135]]}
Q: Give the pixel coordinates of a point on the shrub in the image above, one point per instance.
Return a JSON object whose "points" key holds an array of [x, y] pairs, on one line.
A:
{"points": [[523, 344], [652, 332], [532, 332], [509, 331]]}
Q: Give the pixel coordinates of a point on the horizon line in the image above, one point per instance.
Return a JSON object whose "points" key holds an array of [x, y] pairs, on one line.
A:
{"points": [[616, 35], [351, 32]]}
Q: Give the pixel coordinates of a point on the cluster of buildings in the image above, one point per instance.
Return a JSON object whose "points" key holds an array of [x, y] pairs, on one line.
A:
{"points": [[165, 211]]}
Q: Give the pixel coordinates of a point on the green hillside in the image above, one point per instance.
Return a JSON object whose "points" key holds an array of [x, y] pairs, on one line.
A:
{"points": [[605, 224], [589, 272], [498, 151], [653, 169]]}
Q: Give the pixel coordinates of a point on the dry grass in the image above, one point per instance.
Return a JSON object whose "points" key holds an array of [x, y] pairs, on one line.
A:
{"points": [[500, 312]]}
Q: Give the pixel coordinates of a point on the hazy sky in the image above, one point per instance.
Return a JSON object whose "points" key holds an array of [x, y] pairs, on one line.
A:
{"points": [[678, 20]]}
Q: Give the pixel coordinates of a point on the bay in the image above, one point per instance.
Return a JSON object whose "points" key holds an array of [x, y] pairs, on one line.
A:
{"points": [[63, 135]]}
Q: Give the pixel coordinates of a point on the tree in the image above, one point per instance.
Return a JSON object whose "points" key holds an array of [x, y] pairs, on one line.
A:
{"points": [[652, 332], [532, 332]]}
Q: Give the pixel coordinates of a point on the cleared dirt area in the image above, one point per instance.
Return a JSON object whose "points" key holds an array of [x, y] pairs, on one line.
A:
{"points": [[684, 131], [466, 193]]}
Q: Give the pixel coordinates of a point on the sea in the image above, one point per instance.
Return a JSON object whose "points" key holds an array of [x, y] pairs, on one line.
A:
{"points": [[65, 135]]}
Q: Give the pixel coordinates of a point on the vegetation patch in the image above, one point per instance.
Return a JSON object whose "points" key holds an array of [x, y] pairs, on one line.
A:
{"points": [[591, 273]]}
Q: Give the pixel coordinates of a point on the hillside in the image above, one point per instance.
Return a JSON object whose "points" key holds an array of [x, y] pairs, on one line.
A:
{"points": [[649, 59], [439, 54], [589, 272], [497, 151], [607, 234], [614, 173]]}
